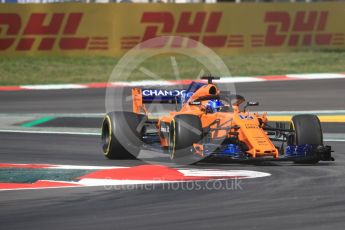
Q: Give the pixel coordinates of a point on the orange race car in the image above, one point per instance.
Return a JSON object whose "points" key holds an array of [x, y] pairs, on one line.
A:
{"points": [[207, 124]]}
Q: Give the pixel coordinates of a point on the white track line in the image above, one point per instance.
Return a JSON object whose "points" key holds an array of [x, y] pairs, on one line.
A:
{"points": [[54, 86], [223, 173], [48, 132], [83, 115], [316, 76], [86, 167], [239, 79], [334, 140]]}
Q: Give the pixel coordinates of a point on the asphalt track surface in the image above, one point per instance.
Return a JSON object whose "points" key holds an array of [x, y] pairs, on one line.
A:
{"points": [[275, 95], [293, 197]]}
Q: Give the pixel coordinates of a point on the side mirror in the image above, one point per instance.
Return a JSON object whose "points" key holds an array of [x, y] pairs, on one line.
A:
{"points": [[250, 103]]}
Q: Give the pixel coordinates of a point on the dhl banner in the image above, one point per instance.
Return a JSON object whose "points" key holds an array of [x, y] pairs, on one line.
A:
{"points": [[113, 29]]}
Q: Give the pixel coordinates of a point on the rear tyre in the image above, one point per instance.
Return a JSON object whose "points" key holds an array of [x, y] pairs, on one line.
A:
{"points": [[185, 130], [307, 131], [122, 134]]}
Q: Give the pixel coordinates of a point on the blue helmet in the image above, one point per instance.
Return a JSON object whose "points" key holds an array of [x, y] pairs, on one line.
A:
{"points": [[214, 106]]}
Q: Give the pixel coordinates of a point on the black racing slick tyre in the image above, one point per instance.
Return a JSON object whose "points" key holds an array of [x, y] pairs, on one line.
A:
{"points": [[122, 134], [185, 130], [308, 130]]}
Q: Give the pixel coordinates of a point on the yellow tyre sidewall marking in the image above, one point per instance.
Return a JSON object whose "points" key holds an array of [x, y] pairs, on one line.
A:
{"points": [[292, 126], [172, 153], [107, 119]]}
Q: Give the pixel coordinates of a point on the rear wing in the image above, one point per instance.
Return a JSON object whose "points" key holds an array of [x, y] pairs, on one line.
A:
{"points": [[140, 97]]}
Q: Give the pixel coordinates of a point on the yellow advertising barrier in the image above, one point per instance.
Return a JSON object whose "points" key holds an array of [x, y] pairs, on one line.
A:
{"points": [[113, 29]]}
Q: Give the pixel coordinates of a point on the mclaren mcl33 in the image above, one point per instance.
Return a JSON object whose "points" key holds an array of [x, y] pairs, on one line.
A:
{"points": [[207, 124]]}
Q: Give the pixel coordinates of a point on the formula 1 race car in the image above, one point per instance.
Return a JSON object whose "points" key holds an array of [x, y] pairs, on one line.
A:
{"points": [[207, 124]]}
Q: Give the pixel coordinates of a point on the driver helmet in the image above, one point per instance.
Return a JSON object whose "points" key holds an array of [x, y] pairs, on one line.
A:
{"points": [[214, 106]]}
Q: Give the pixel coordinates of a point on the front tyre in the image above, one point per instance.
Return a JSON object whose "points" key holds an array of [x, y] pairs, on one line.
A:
{"points": [[121, 134], [308, 130], [185, 130]]}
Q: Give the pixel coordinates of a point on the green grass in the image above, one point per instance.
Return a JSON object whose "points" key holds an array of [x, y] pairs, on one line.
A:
{"points": [[45, 70]]}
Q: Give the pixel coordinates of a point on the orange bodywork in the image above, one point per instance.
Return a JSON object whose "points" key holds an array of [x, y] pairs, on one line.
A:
{"points": [[137, 99], [250, 131]]}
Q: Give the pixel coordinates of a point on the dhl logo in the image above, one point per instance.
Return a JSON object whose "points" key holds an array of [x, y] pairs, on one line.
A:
{"points": [[199, 26], [47, 31], [303, 28]]}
